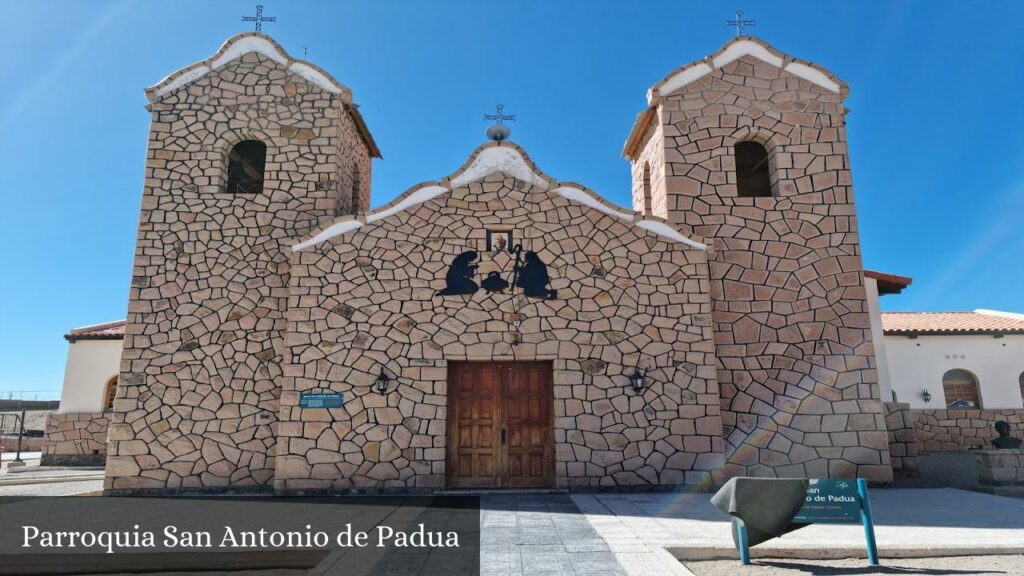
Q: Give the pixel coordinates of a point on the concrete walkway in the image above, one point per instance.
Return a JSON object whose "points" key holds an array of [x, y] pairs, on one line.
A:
{"points": [[8, 456], [51, 481], [642, 529], [541, 534]]}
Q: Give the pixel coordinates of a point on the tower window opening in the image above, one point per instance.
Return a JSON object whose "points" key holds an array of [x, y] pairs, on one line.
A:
{"points": [[648, 201], [356, 191], [752, 176], [246, 163]]}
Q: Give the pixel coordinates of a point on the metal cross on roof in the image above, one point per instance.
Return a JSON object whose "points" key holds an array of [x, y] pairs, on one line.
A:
{"points": [[499, 116], [740, 23], [259, 19]]}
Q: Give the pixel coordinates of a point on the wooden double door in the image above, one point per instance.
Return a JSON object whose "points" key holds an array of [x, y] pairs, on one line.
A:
{"points": [[500, 425]]}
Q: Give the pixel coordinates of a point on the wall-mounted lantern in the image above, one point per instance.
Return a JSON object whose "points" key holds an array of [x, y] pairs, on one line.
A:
{"points": [[638, 380], [382, 381], [926, 395]]}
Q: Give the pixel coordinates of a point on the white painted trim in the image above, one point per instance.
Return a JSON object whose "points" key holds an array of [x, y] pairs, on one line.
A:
{"points": [[186, 78], [811, 75], [238, 47], [329, 232], [581, 196], [1013, 315], [736, 51], [243, 46], [746, 48], [313, 76], [684, 77], [499, 159], [663, 229], [416, 198]]}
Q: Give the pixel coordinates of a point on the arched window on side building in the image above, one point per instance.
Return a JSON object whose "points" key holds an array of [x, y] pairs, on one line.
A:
{"points": [[109, 392], [961, 389]]}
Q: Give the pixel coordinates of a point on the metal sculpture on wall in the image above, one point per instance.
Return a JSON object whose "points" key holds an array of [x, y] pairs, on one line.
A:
{"points": [[529, 273], [494, 283], [460, 274], [532, 276]]}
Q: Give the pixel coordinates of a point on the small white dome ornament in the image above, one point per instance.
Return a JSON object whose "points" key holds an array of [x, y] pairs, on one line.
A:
{"points": [[498, 131]]}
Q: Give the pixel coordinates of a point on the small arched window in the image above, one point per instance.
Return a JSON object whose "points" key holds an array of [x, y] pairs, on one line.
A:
{"points": [[246, 162], [752, 177], [961, 389], [109, 391], [648, 201]]}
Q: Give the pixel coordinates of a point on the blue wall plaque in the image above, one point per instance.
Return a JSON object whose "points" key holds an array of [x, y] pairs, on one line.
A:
{"points": [[320, 400]]}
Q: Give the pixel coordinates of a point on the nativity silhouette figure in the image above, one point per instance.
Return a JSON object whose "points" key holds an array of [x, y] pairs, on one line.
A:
{"points": [[533, 277], [460, 274], [494, 283]]}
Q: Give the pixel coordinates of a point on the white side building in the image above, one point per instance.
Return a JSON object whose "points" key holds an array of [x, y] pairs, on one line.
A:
{"points": [[955, 359], [92, 367]]}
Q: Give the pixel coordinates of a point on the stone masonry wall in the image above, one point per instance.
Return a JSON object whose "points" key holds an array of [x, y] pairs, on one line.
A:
{"points": [[796, 365], [75, 439], [626, 298], [955, 430], [899, 422], [197, 402]]}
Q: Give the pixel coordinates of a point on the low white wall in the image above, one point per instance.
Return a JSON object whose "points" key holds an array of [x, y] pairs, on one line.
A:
{"points": [[90, 364], [919, 363]]}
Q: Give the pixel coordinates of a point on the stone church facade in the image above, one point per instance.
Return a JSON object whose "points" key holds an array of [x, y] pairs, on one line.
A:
{"points": [[498, 327]]}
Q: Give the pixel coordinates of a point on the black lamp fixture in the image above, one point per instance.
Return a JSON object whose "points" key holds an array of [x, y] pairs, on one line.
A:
{"points": [[926, 395], [382, 381], [638, 380]]}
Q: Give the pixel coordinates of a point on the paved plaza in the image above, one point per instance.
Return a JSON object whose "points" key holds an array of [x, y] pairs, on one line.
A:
{"points": [[647, 534], [641, 534]]}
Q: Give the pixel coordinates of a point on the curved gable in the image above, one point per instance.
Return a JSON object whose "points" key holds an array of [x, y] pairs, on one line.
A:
{"points": [[238, 46], [496, 157], [734, 50]]}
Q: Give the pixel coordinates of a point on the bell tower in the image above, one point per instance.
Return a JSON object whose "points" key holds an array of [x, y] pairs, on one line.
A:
{"points": [[248, 150], [746, 150]]}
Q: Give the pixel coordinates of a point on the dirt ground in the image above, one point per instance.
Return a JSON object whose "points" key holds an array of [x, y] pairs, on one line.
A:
{"points": [[951, 566]]}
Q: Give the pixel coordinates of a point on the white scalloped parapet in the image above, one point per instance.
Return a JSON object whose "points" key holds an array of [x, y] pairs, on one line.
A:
{"points": [[243, 46], [585, 198], [238, 47], [684, 77], [313, 76], [811, 75], [736, 51], [329, 232], [746, 48], [415, 199], [499, 159], [186, 78], [662, 229]]}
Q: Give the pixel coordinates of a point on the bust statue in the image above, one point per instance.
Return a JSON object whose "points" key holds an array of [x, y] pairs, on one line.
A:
{"points": [[1004, 441]]}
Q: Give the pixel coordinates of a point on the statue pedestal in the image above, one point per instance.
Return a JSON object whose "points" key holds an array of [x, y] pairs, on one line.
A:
{"points": [[1000, 471]]}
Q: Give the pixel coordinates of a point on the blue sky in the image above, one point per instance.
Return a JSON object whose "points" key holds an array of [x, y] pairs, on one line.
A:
{"points": [[936, 139]]}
